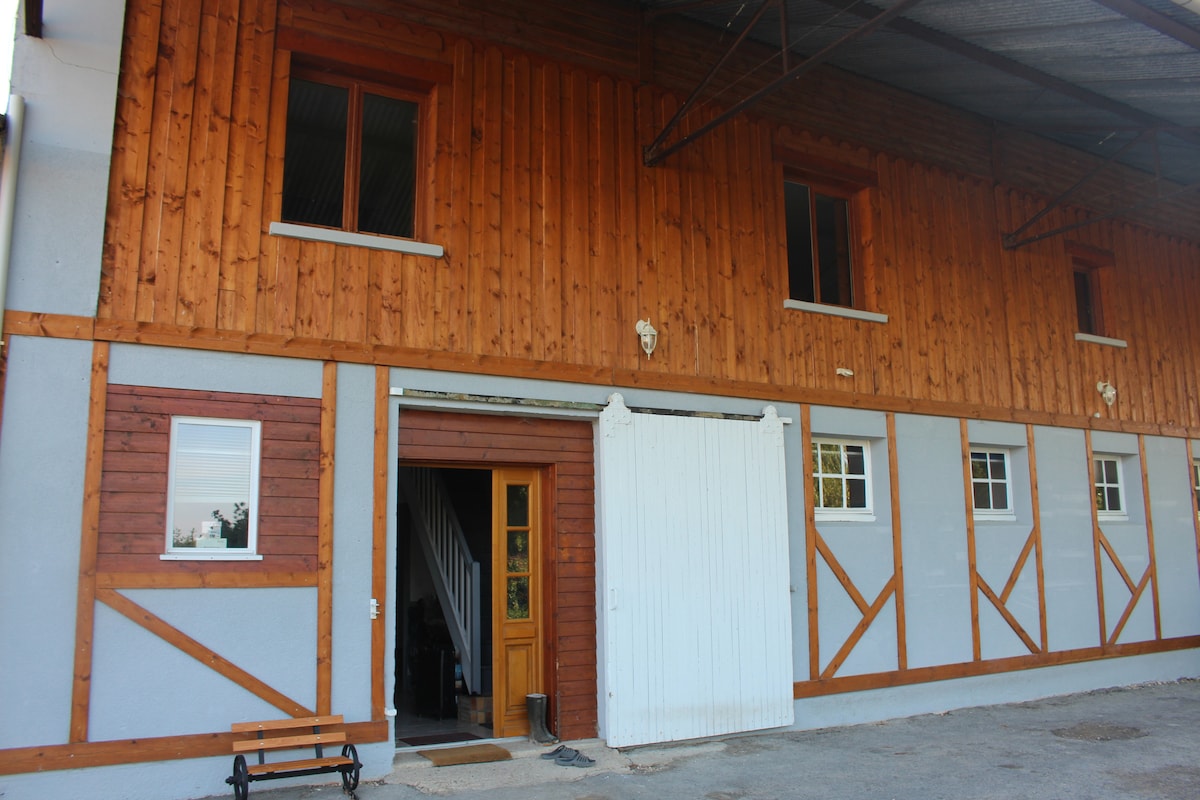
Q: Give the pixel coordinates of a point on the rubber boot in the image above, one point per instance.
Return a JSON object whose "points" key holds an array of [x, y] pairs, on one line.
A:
{"points": [[535, 708]]}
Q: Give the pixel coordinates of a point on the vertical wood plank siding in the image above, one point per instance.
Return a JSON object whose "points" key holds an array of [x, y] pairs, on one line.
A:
{"points": [[565, 449], [133, 488], [558, 239]]}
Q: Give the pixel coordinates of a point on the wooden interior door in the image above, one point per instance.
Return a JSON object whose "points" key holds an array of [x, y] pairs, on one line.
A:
{"points": [[516, 596]]}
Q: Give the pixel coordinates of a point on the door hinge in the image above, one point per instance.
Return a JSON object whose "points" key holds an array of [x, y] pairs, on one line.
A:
{"points": [[374, 608]]}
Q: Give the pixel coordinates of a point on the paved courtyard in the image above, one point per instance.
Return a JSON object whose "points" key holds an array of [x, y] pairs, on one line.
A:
{"points": [[1141, 742]]}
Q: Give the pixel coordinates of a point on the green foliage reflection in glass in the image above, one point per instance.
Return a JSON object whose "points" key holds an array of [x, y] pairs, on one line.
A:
{"points": [[518, 551], [839, 475]]}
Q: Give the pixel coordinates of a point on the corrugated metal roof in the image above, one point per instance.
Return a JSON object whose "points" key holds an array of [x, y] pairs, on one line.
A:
{"points": [[1108, 75]]}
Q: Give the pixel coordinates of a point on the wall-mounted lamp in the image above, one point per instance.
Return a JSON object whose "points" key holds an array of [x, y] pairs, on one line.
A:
{"points": [[648, 335], [845, 372], [1108, 392]]}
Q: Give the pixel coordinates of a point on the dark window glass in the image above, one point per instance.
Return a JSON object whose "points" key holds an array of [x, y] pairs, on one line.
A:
{"points": [[388, 179], [314, 167], [799, 242], [818, 245], [1084, 302], [330, 126], [855, 463], [832, 224]]}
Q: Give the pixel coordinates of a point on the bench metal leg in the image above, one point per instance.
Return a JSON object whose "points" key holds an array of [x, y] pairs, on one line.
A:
{"points": [[240, 780]]}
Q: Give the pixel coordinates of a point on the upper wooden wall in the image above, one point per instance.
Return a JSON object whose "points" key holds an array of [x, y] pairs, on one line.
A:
{"points": [[558, 239]]}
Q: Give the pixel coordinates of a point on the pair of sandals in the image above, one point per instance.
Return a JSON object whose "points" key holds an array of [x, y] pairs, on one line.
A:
{"points": [[565, 756]]}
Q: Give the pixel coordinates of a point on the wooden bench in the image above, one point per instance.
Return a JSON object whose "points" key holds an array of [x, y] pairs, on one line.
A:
{"points": [[292, 734]]}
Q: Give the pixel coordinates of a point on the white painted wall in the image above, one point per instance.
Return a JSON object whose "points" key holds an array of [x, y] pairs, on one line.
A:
{"points": [[41, 486], [69, 82]]}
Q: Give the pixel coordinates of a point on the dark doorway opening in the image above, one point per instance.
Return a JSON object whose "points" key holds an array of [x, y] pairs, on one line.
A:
{"points": [[439, 696]]}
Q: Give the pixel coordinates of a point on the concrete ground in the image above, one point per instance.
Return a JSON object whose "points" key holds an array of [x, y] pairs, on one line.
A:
{"points": [[1141, 742]]}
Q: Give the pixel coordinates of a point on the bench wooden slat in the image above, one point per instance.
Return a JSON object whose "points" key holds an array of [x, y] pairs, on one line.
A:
{"points": [[307, 763], [284, 724], [289, 742]]}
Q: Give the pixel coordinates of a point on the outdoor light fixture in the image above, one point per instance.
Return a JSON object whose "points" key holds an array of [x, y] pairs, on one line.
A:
{"points": [[648, 335], [1108, 392]]}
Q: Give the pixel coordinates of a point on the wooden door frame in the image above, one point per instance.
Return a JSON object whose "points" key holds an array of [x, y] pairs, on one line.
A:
{"points": [[564, 452]]}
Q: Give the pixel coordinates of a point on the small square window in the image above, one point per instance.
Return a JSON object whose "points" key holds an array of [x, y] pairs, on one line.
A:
{"points": [[820, 268], [990, 484], [841, 479], [350, 158], [212, 499], [1110, 494]]}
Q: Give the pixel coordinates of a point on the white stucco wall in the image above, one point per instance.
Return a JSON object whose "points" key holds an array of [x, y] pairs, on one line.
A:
{"points": [[69, 82], [41, 486]]}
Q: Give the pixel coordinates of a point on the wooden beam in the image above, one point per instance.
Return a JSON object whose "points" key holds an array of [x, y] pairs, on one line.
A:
{"points": [[80, 755], [897, 543], [1152, 569], [617, 377], [810, 541], [325, 540], [970, 669], [210, 658], [85, 603], [972, 566], [379, 552]]}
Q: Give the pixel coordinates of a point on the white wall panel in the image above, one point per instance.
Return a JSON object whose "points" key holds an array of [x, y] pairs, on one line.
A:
{"points": [[694, 604]]}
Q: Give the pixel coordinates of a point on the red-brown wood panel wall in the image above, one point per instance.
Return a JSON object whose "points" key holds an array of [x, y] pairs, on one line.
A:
{"points": [[133, 487]]}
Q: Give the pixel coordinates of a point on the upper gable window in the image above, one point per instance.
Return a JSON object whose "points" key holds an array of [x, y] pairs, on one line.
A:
{"points": [[212, 496], [820, 261], [351, 155]]}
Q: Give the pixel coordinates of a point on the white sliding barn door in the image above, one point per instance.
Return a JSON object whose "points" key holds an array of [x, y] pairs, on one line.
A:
{"points": [[694, 607]]}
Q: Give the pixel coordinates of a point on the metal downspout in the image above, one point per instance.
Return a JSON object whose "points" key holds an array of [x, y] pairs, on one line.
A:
{"points": [[15, 123]]}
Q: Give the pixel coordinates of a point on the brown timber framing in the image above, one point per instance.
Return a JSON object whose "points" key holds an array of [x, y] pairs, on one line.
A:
{"points": [[1191, 461], [103, 587], [325, 542], [81, 755], [85, 612], [379, 555], [69, 327], [1032, 546]]}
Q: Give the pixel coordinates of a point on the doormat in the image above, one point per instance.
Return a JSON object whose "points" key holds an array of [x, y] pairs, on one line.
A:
{"points": [[439, 738], [471, 754]]}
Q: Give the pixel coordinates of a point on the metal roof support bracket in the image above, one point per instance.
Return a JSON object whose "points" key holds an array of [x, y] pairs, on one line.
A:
{"points": [[1012, 240], [1191, 187], [651, 150], [655, 152]]}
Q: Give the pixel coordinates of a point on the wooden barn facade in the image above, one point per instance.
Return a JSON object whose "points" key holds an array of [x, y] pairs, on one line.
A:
{"points": [[354, 357]]}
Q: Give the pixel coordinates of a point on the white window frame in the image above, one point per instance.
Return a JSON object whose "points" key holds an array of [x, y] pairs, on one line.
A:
{"points": [[248, 553], [1104, 513], [992, 514], [848, 514]]}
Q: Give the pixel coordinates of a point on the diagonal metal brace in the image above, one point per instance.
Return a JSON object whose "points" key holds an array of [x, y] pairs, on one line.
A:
{"points": [[654, 153]]}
